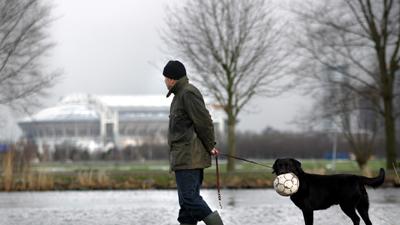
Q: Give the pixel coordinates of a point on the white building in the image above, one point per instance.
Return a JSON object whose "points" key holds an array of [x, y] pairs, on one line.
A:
{"points": [[100, 122]]}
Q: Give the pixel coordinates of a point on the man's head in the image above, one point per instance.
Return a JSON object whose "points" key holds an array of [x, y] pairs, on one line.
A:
{"points": [[173, 71]]}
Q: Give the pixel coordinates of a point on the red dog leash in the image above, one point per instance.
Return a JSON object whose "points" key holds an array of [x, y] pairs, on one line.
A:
{"points": [[246, 160], [217, 171], [218, 183]]}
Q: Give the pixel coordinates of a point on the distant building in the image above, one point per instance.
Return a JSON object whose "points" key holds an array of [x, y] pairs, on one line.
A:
{"points": [[102, 122]]}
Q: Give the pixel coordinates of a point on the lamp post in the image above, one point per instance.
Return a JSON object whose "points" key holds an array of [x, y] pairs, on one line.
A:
{"points": [[334, 147]]}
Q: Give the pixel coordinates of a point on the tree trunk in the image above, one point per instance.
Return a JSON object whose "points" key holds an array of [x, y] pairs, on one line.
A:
{"points": [[8, 167], [231, 141], [390, 133], [365, 170], [362, 161]]}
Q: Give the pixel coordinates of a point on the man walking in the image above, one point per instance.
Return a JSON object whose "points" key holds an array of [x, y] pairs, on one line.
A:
{"points": [[191, 141]]}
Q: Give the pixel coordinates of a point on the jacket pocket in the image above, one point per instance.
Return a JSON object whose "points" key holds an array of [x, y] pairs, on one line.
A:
{"points": [[201, 158], [180, 156]]}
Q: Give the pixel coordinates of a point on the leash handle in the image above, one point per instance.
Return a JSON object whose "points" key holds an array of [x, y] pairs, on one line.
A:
{"points": [[218, 182]]}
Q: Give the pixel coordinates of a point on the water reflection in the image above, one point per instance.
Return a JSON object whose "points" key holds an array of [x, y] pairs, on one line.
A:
{"points": [[231, 202], [255, 207]]}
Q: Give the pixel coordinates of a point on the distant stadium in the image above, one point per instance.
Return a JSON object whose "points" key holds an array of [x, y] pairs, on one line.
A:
{"points": [[98, 123]]}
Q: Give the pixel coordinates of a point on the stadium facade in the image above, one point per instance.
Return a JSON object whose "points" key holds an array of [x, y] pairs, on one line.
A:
{"points": [[97, 122]]}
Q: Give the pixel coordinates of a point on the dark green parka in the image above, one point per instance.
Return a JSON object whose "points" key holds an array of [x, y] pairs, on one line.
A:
{"points": [[191, 130]]}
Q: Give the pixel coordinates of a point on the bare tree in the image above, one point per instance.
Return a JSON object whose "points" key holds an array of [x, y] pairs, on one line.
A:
{"points": [[360, 134], [361, 35], [23, 42], [235, 47], [351, 115]]}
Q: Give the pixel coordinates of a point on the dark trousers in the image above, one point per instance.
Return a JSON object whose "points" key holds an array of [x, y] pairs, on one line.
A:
{"points": [[193, 207]]}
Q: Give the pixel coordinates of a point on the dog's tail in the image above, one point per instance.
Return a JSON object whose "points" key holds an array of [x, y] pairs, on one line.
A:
{"points": [[375, 181]]}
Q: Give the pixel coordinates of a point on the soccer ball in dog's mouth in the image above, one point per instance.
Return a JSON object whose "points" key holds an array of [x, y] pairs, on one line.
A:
{"points": [[286, 184]]}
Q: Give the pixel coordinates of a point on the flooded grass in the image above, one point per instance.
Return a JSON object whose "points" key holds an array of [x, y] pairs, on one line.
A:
{"points": [[152, 175], [135, 166]]}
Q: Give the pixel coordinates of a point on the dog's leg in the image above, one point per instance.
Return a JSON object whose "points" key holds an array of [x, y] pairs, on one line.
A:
{"points": [[350, 211], [308, 216], [362, 208]]}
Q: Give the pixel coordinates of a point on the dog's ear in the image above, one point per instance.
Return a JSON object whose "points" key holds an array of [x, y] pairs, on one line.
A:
{"points": [[297, 166], [274, 166], [296, 163]]}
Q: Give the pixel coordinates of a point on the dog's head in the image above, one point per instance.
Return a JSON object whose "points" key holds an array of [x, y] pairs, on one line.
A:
{"points": [[287, 165]]}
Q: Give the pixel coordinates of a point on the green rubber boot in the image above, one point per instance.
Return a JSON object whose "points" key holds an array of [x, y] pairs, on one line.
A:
{"points": [[213, 219]]}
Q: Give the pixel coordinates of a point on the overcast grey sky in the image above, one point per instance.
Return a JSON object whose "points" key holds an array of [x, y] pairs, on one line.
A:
{"points": [[114, 47]]}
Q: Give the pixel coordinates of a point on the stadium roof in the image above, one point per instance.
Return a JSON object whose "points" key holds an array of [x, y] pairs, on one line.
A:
{"points": [[64, 113], [135, 100], [86, 107]]}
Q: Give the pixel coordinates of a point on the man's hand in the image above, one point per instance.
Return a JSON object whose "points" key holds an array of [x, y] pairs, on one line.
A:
{"points": [[214, 152]]}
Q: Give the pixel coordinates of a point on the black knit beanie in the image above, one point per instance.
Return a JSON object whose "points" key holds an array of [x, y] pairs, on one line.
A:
{"points": [[174, 70]]}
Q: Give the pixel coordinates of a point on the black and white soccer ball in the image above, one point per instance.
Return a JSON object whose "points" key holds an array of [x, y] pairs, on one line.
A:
{"points": [[286, 184]]}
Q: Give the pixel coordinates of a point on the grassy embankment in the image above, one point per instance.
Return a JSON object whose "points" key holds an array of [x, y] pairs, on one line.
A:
{"points": [[155, 174]]}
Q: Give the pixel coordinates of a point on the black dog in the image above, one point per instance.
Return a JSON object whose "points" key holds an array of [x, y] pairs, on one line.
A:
{"points": [[322, 191]]}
